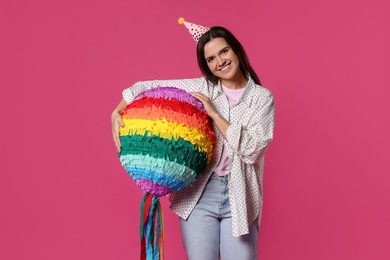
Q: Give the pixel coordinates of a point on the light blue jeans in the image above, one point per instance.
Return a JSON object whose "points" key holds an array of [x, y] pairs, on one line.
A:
{"points": [[207, 233]]}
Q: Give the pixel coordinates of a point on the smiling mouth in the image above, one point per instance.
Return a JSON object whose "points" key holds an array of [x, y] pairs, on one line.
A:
{"points": [[225, 67]]}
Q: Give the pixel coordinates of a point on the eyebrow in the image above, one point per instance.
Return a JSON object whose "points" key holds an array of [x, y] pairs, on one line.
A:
{"points": [[226, 47]]}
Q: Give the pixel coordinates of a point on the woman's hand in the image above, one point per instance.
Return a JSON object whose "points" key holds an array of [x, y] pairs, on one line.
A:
{"points": [[221, 123], [210, 108], [116, 122]]}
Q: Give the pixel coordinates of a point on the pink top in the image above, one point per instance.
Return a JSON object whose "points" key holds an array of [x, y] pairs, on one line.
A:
{"points": [[233, 96]]}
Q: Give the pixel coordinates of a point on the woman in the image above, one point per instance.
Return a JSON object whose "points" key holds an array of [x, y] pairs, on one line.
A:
{"points": [[220, 213]]}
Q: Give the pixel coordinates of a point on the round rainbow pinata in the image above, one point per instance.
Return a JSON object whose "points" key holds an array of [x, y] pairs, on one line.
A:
{"points": [[166, 141]]}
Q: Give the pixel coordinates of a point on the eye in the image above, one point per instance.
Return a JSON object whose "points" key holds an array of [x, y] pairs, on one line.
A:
{"points": [[209, 60], [225, 51]]}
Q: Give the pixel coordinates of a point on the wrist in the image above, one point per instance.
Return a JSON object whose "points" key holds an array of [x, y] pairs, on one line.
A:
{"points": [[116, 112], [214, 116]]}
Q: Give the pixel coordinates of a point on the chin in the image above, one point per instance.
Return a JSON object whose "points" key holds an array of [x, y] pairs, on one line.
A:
{"points": [[229, 76]]}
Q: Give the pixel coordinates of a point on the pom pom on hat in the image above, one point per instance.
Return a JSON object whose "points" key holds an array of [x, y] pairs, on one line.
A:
{"points": [[181, 20], [195, 30]]}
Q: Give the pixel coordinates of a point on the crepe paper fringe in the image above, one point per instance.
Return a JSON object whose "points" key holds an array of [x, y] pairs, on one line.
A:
{"points": [[148, 165], [174, 111], [151, 229], [167, 140], [161, 177], [152, 188], [173, 105], [180, 151], [197, 121], [162, 172], [164, 129], [169, 93]]}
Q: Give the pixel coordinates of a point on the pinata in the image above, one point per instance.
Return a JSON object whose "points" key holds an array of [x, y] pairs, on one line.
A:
{"points": [[166, 141]]}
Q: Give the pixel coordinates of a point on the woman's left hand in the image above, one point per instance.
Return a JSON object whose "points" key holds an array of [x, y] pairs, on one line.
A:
{"points": [[210, 108], [219, 121]]}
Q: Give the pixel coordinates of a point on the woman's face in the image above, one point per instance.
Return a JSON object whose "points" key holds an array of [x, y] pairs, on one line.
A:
{"points": [[222, 61]]}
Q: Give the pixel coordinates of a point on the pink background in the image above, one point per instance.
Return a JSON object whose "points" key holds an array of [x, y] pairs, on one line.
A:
{"points": [[63, 65]]}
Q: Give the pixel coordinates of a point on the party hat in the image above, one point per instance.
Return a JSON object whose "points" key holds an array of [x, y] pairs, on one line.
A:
{"points": [[195, 30]]}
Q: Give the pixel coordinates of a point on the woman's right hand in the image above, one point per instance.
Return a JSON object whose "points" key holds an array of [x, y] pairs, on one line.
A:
{"points": [[116, 122]]}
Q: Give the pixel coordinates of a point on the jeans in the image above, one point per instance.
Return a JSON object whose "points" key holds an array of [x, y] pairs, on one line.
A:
{"points": [[207, 233]]}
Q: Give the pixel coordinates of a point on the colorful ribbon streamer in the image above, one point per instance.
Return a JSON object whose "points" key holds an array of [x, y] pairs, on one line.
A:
{"points": [[151, 229]]}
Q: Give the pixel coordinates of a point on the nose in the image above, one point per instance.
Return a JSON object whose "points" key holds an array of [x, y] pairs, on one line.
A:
{"points": [[220, 62]]}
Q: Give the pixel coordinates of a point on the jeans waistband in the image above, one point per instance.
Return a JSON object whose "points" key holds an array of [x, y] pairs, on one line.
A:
{"points": [[218, 177]]}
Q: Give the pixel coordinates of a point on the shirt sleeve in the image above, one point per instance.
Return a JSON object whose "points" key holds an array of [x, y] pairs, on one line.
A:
{"points": [[250, 141], [189, 85]]}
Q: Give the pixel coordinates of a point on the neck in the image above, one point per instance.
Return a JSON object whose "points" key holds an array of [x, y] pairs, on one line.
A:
{"points": [[239, 81]]}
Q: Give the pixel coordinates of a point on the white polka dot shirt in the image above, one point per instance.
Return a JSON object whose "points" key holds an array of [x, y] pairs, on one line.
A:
{"points": [[247, 137]]}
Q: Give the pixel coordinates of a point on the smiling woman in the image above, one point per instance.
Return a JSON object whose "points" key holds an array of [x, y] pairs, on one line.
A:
{"points": [[223, 63], [221, 40], [221, 211]]}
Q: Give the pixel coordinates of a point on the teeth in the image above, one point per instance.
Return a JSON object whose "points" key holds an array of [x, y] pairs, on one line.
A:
{"points": [[224, 68]]}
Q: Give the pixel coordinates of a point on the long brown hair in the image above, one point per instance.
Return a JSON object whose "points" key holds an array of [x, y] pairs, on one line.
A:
{"points": [[215, 32]]}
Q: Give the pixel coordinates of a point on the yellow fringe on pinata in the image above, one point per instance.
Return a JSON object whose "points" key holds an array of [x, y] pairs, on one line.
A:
{"points": [[167, 130]]}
